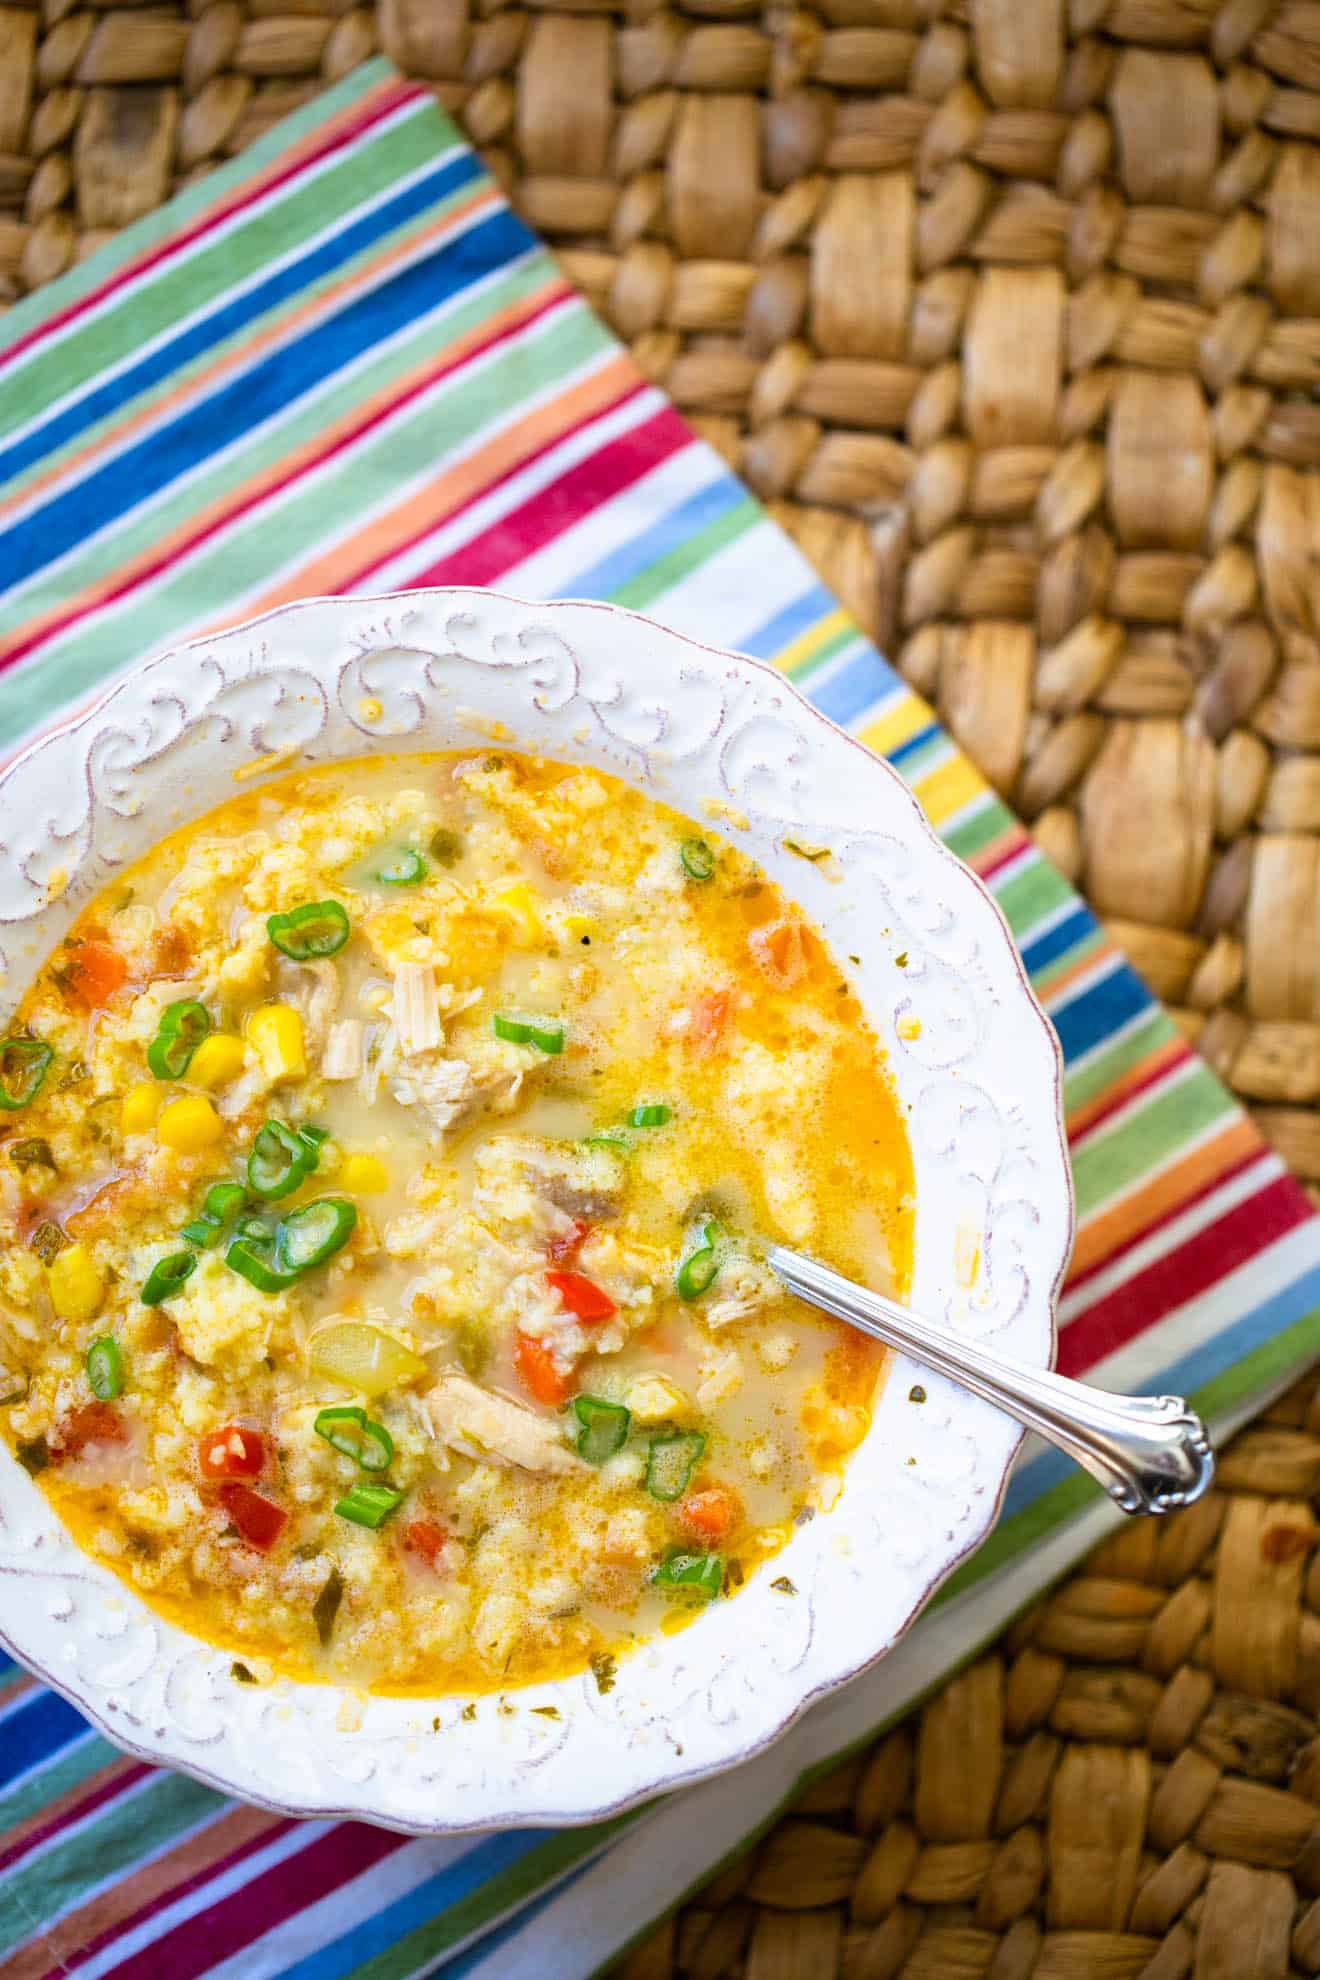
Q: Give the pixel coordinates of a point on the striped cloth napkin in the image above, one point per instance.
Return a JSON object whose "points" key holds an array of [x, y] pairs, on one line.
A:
{"points": [[341, 364]]}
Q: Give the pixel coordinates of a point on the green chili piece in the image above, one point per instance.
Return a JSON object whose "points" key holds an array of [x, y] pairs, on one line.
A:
{"points": [[696, 859], [166, 1276], [24, 1063], [223, 1199], [279, 1161], [256, 1231], [670, 1463], [446, 847], [203, 1232], [602, 1427], [105, 1369], [690, 1574], [616, 1139], [315, 1232], [314, 1138], [545, 1033], [369, 1505], [404, 869], [306, 933], [34, 1153], [183, 1026], [653, 1114], [697, 1272], [354, 1434], [243, 1259], [326, 1606]]}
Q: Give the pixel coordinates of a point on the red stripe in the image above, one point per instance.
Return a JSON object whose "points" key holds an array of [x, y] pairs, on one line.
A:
{"points": [[377, 106], [105, 1790], [445, 364], [1167, 1217], [1019, 842], [401, 546], [1182, 1274], [575, 493], [225, 1927], [1153, 1076]]}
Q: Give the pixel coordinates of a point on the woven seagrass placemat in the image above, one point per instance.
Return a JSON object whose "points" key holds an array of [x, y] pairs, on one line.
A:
{"points": [[1012, 313]]}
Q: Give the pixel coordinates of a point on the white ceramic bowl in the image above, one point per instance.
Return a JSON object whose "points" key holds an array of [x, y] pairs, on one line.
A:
{"points": [[980, 1083]]}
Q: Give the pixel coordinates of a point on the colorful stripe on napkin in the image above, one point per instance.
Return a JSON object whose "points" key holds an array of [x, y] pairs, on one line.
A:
{"points": [[341, 364]]}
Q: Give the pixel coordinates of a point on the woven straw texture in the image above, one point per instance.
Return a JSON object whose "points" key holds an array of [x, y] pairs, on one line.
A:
{"points": [[1012, 313]]}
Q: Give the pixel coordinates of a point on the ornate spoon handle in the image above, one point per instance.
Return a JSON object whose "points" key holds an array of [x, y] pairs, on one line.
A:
{"points": [[1151, 1453]]}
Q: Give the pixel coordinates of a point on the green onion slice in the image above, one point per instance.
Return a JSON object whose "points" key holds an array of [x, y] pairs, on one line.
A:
{"points": [[105, 1369], [369, 1505], [24, 1063], [315, 1232], [203, 1232], [545, 1033], [696, 859], [616, 1139], [279, 1161], [402, 869], [166, 1276], [446, 846], [691, 1574], [183, 1026], [223, 1199], [602, 1427], [306, 933], [354, 1434], [242, 1257], [654, 1114], [670, 1463], [698, 1271], [326, 1606]]}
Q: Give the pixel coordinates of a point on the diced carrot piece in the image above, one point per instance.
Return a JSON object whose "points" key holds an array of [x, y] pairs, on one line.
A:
{"points": [[538, 1371], [259, 1521], [94, 972], [89, 1423], [710, 1015], [709, 1515], [584, 1299], [426, 1538]]}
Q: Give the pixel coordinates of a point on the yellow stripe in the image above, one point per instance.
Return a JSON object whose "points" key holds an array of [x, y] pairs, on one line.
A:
{"points": [[801, 649], [949, 788], [897, 725]]}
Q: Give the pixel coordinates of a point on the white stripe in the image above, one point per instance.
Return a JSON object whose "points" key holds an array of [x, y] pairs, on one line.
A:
{"points": [[210, 1891], [1114, 1039], [1148, 1177], [293, 410], [967, 812], [324, 306], [303, 1933], [1063, 912], [68, 1746], [66, 1831], [729, 587], [1169, 1236], [133, 288], [1179, 1074], [1105, 966], [13, 1705]]}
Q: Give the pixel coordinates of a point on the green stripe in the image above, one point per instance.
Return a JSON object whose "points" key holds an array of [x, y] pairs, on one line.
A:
{"points": [[804, 669], [161, 1811], [1091, 944], [69, 1768], [1031, 892], [974, 828], [305, 518], [190, 282], [670, 570], [1098, 1074], [1115, 1157], [930, 757]]}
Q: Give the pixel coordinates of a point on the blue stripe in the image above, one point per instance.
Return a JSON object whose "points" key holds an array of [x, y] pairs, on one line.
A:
{"points": [[850, 689], [1200, 1365], [1073, 927], [902, 752], [227, 317], [491, 1941], [257, 394], [789, 623], [425, 1902], [36, 1731], [642, 547], [1087, 1019]]}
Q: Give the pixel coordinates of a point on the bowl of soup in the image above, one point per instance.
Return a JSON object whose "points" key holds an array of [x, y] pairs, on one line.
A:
{"points": [[421, 1016]]}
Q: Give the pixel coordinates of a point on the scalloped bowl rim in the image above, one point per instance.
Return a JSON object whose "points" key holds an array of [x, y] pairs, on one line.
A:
{"points": [[135, 1709]]}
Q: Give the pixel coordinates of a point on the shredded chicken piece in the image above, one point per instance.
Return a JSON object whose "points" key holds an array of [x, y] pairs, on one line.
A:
{"points": [[480, 1424], [314, 988], [444, 1089], [416, 1009], [342, 1057], [746, 1289]]}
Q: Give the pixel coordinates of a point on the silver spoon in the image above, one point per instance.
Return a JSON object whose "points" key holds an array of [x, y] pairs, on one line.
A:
{"points": [[1151, 1453]]}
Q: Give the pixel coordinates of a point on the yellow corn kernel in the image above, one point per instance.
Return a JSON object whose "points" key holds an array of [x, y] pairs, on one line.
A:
{"points": [[275, 1032], [518, 905], [140, 1108], [189, 1125], [577, 925], [76, 1286], [217, 1060], [365, 1175]]}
